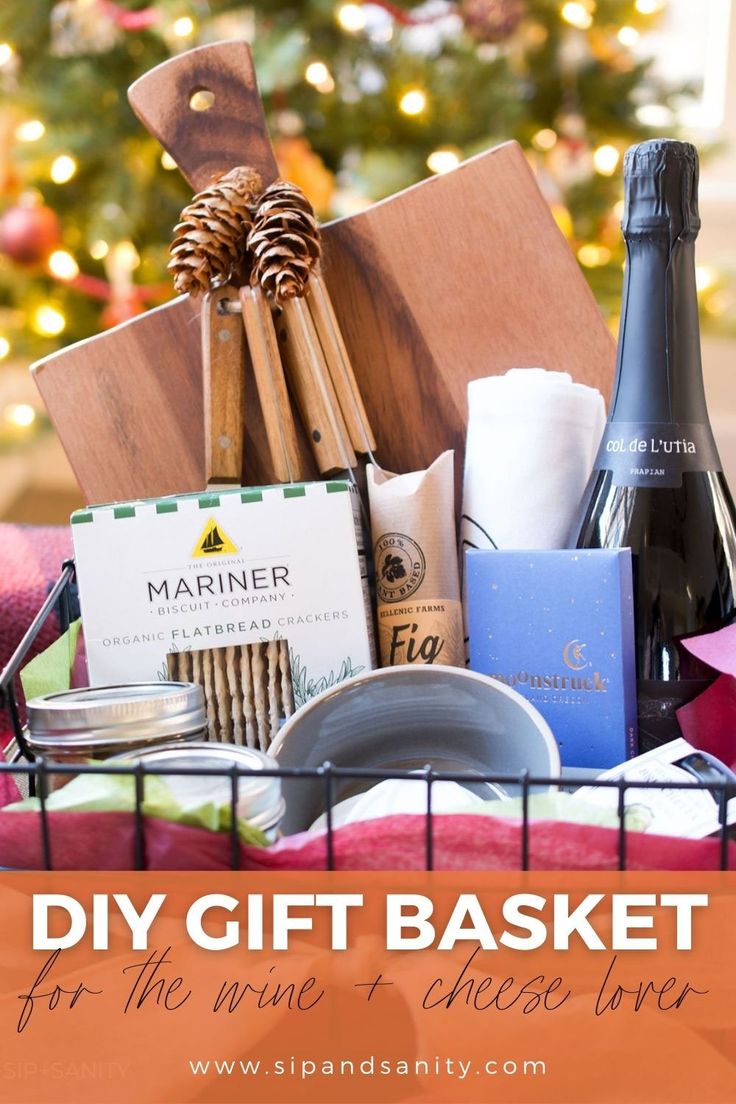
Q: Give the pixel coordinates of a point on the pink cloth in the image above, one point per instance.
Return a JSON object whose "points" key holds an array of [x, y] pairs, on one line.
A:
{"points": [[709, 722], [31, 558], [105, 841], [717, 649]]}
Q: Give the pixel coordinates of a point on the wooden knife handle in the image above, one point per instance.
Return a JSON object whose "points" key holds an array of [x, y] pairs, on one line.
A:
{"points": [[273, 396], [312, 388], [231, 131], [223, 375], [339, 366]]}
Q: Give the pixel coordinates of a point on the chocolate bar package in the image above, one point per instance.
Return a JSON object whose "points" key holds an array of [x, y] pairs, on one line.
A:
{"points": [[558, 627]]}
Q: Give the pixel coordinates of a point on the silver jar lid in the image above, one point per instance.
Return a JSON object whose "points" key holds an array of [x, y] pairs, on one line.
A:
{"points": [[115, 716], [259, 799]]}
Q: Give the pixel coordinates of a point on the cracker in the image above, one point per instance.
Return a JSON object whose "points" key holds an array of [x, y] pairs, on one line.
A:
{"points": [[249, 712], [260, 693], [185, 666], [287, 690], [235, 687], [222, 696], [209, 693], [172, 666], [197, 675], [274, 696]]}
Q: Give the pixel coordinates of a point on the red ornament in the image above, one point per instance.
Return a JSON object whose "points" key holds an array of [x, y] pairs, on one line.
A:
{"points": [[492, 20], [121, 310], [29, 232]]}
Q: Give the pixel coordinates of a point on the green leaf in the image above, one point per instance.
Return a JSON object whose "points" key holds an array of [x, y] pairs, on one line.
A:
{"points": [[198, 804]]}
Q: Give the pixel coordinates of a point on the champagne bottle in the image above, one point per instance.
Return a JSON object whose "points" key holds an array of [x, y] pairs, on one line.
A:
{"points": [[657, 485]]}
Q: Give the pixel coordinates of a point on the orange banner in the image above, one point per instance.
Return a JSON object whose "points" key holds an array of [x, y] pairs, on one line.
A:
{"points": [[448, 987]]}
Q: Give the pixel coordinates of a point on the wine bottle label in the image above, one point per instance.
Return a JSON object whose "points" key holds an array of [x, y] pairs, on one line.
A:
{"points": [[651, 454]]}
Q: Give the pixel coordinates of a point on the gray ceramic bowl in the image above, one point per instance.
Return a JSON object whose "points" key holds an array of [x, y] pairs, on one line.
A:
{"points": [[402, 718]]}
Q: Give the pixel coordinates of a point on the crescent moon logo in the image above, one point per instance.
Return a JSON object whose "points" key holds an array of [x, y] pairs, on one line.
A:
{"points": [[572, 655]]}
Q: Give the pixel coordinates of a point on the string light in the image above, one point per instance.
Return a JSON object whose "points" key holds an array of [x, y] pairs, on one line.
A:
{"points": [[99, 250], [563, 218], [318, 75], [127, 256], [62, 265], [648, 7], [443, 160], [30, 131], [545, 139], [351, 18], [593, 256], [605, 160], [168, 161], [20, 414], [705, 277], [577, 15], [4, 347], [628, 36], [316, 72], [413, 102], [719, 303], [48, 321], [63, 169], [6, 53], [183, 27]]}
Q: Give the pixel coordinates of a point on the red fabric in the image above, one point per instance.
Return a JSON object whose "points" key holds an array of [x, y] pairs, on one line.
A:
{"points": [[30, 561], [105, 841], [9, 792]]}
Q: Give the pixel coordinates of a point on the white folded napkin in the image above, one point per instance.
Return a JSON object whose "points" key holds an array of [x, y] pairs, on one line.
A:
{"points": [[532, 440], [400, 795]]}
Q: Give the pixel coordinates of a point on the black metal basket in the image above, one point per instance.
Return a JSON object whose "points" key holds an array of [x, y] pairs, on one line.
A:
{"points": [[38, 771]]}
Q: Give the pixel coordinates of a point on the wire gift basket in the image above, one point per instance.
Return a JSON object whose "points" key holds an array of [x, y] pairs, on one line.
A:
{"points": [[431, 840]]}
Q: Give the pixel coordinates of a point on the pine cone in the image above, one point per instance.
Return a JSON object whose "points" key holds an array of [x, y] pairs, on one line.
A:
{"points": [[284, 241], [210, 241]]}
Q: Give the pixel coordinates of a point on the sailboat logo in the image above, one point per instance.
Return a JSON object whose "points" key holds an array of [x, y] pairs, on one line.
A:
{"points": [[213, 542]]}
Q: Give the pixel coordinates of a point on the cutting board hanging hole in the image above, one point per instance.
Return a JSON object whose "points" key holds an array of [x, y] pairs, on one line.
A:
{"points": [[201, 99]]}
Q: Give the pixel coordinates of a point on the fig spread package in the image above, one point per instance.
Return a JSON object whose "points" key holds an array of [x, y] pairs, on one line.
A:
{"points": [[415, 559], [189, 574]]}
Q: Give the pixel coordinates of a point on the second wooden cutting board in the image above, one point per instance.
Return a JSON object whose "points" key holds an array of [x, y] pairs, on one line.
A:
{"points": [[461, 276]]}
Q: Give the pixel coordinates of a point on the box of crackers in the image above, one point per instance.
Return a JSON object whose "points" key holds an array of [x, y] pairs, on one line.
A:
{"points": [[261, 595]]}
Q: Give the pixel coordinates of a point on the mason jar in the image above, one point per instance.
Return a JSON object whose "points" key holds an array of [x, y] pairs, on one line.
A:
{"points": [[259, 799], [103, 721]]}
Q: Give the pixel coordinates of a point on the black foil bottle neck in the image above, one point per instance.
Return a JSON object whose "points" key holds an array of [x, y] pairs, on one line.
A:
{"points": [[659, 375], [661, 191]]}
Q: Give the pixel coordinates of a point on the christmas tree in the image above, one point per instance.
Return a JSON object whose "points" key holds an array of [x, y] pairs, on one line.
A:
{"points": [[362, 99]]}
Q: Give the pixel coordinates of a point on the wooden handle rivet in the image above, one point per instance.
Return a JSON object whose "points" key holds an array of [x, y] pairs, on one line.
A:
{"points": [[223, 335], [224, 442]]}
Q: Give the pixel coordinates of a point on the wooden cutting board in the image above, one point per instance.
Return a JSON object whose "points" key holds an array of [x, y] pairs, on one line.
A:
{"points": [[461, 276]]}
